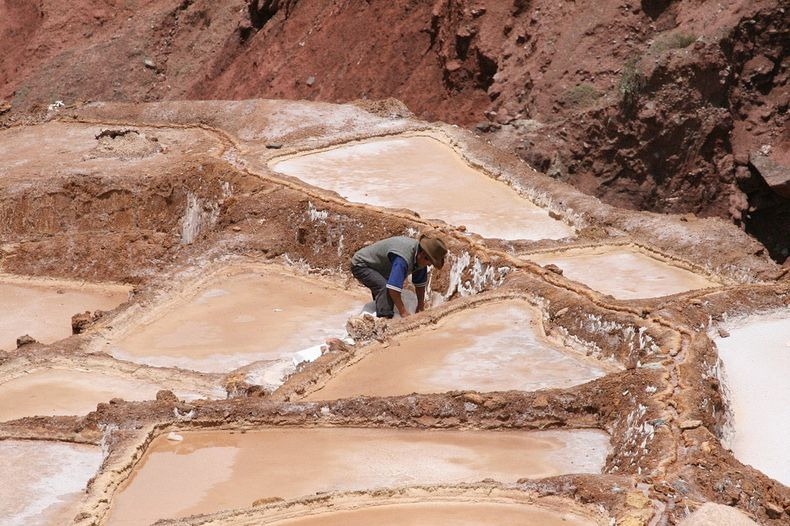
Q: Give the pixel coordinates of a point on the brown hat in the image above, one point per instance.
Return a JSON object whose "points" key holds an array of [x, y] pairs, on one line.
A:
{"points": [[435, 249]]}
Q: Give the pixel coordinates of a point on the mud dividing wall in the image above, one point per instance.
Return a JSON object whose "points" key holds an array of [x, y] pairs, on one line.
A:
{"points": [[110, 228]]}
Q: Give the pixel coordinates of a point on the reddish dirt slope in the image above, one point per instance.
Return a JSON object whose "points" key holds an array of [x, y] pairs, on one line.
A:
{"points": [[659, 105]]}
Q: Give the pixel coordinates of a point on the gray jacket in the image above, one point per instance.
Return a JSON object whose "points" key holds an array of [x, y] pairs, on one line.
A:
{"points": [[376, 256]]}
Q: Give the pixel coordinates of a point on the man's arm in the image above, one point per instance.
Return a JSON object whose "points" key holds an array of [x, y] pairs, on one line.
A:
{"points": [[420, 280], [420, 298], [395, 283], [398, 302]]}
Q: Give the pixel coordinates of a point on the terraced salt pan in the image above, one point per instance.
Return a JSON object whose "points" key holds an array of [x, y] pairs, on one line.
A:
{"points": [[172, 479], [498, 346], [43, 308], [55, 148], [427, 176], [623, 272], [43, 481], [443, 513], [756, 358], [240, 316], [48, 392]]}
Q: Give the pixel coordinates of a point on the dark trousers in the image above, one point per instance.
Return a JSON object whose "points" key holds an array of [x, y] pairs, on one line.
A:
{"points": [[378, 289]]}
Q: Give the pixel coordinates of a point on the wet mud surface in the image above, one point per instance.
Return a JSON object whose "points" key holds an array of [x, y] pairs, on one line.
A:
{"points": [[642, 370]]}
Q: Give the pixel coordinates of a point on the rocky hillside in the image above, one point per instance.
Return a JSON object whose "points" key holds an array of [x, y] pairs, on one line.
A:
{"points": [[673, 106]]}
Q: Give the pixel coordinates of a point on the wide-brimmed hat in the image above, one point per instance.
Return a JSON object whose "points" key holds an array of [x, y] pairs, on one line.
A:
{"points": [[435, 249]]}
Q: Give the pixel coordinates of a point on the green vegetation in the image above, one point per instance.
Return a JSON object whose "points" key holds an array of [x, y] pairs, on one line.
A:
{"points": [[580, 96], [631, 83]]}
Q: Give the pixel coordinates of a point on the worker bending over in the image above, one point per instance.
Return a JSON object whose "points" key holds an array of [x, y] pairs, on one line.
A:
{"points": [[383, 266]]}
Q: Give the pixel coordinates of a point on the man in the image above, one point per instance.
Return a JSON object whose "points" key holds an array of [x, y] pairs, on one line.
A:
{"points": [[383, 266]]}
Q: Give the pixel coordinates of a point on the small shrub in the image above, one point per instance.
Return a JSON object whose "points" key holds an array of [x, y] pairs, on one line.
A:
{"points": [[631, 83], [672, 41], [580, 96]]}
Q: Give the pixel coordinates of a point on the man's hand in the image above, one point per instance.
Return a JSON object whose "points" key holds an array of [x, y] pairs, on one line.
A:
{"points": [[420, 298]]}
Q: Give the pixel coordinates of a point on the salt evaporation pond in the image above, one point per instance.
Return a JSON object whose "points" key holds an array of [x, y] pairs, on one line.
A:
{"points": [[238, 317], [427, 176], [44, 481], [498, 346], [444, 514], [53, 149], [756, 358], [48, 392], [43, 308], [623, 272], [172, 480]]}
